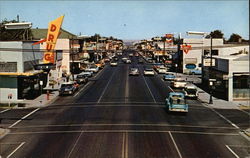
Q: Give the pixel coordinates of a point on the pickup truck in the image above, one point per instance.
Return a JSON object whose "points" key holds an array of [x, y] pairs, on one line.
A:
{"points": [[176, 102]]}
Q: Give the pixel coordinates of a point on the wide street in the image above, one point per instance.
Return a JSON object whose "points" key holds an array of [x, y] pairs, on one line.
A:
{"points": [[120, 116]]}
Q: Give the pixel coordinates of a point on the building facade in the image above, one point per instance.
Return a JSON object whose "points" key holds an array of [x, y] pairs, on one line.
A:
{"points": [[18, 78]]}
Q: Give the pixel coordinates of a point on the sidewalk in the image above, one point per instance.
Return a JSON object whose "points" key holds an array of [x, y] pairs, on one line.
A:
{"points": [[42, 100]]}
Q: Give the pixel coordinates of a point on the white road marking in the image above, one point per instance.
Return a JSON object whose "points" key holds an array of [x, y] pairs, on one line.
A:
{"points": [[129, 124], [123, 145], [122, 131], [15, 150], [126, 87], [170, 88], [106, 87], [176, 147], [149, 89], [24, 118], [4, 111], [81, 89], [234, 125], [232, 151], [126, 145], [75, 144]]}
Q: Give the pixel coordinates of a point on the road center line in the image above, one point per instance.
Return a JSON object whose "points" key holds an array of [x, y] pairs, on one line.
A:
{"points": [[149, 89], [123, 145], [106, 86], [15, 150], [77, 140], [126, 145], [24, 118], [126, 87], [176, 147], [232, 151]]}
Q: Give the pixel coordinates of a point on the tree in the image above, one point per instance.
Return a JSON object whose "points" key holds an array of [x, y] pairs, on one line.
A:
{"points": [[234, 38], [216, 34], [13, 35]]}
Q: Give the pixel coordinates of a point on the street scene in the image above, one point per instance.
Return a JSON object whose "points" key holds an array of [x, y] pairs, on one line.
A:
{"points": [[116, 84]]}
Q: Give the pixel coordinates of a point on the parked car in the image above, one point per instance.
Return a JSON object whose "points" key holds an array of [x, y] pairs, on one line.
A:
{"points": [[162, 70], [128, 61], [81, 78], [178, 83], [113, 63], [150, 60], [168, 77], [68, 88], [191, 91], [115, 58], [176, 102], [131, 54], [157, 65], [134, 71], [124, 59], [92, 68], [140, 60], [149, 71], [107, 59], [195, 72], [87, 73]]}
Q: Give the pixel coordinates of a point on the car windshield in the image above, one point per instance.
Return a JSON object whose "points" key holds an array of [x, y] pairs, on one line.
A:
{"points": [[191, 91], [66, 85], [178, 101]]}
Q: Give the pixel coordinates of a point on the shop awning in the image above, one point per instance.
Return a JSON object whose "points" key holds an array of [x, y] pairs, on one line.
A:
{"points": [[28, 73]]}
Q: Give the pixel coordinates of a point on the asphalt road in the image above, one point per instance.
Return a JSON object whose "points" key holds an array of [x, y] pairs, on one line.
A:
{"points": [[120, 116]]}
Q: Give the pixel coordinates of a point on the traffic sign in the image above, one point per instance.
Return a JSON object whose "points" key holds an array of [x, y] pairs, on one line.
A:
{"points": [[186, 48]]}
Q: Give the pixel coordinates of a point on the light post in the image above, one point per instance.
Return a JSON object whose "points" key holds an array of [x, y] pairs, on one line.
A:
{"points": [[210, 81]]}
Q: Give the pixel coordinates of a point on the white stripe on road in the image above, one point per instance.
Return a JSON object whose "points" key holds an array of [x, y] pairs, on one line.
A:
{"points": [[232, 151], [24, 118], [122, 131], [75, 144], [224, 118], [149, 89], [176, 147], [170, 88], [15, 150], [81, 89], [106, 87], [4, 111]]}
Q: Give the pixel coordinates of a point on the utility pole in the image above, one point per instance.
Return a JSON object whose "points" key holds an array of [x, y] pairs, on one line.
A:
{"points": [[210, 71]]}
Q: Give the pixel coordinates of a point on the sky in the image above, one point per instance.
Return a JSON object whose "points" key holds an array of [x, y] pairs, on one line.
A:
{"points": [[134, 19]]}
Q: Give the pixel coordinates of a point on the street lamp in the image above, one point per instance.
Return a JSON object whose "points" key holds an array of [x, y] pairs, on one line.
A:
{"points": [[210, 81]]}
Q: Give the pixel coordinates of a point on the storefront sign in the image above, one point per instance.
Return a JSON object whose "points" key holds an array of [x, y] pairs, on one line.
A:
{"points": [[190, 66]]}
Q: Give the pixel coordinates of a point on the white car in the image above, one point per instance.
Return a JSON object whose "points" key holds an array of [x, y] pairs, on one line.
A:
{"points": [[87, 73], [178, 83], [113, 63], [149, 71], [134, 71], [162, 70], [92, 68], [128, 61], [191, 91]]}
